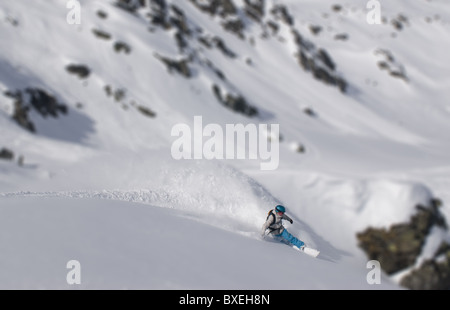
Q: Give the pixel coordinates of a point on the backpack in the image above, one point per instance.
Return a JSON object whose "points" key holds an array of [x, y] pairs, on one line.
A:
{"points": [[273, 222]]}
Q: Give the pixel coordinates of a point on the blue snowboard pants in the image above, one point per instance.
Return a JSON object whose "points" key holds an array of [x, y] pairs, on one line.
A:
{"points": [[290, 238]]}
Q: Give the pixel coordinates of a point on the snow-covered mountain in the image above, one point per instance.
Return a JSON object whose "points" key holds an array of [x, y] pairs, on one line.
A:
{"points": [[89, 100]]}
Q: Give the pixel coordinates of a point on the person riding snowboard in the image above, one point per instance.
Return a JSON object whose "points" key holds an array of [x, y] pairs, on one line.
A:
{"points": [[275, 226]]}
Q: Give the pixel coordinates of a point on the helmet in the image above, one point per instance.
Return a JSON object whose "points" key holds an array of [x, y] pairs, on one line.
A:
{"points": [[280, 208]]}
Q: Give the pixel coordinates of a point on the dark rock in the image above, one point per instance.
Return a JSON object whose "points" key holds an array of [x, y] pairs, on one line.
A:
{"points": [[101, 34], [341, 37], [399, 74], [315, 29], [205, 41], [119, 94], [319, 62], [254, 9], [217, 71], [217, 92], [398, 247], [180, 21], [310, 112], [108, 90], [44, 103], [274, 26], [336, 7], [399, 22], [239, 104], [235, 103], [6, 154], [40, 101], [180, 41], [302, 43], [20, 114], [323, 56], [220, 44], [81, 71], [235, 26], [321, 73], [122, 47], [433, 274], [281, 12], [158, 13], [383, 65], [397, 25], [300, 148], [146, 111], [180, 66], [130, 5], [223, 8], [102, 14], [389, 63]]}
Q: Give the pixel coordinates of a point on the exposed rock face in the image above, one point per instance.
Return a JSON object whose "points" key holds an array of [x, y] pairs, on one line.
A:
{"points": [[254, 9], [235, 17], [101, 34], [236, 103], [122, 47], [146, 111], [433, 274], [319, 62], [6, 154], [131, 5], [81, 71], [180, 66], [40, 101], [223, 8], [399, 247], [281, 12], [391, 65], [20, 115]]}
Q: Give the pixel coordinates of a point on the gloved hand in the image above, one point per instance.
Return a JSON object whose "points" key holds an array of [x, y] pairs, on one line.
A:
{"points": [[263, 233], [291, 221]]}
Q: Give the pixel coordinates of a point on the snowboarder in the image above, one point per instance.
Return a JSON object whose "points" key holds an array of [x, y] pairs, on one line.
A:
{"points": [[275, 226]]}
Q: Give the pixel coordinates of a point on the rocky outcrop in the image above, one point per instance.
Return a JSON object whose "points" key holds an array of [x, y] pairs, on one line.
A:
{"points": [[180, 66], [433, 274], [235, 17], [281, 12], [223, 8], [120, 46], [130, 5], [120, 96], [319, 62], [254, 9], [400, 22], [391, 65], [81, 71], [20, 115], [236, 103], [6, 154], [146, 111], [101, 34], [38, 100], [398, 247]]}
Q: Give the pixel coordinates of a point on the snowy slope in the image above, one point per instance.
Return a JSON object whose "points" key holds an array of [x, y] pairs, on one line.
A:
{"points": [[123, 245], [371, 154]]}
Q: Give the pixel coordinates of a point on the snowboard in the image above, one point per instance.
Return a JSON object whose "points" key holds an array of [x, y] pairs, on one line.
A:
{"points": [[309, 251]]}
